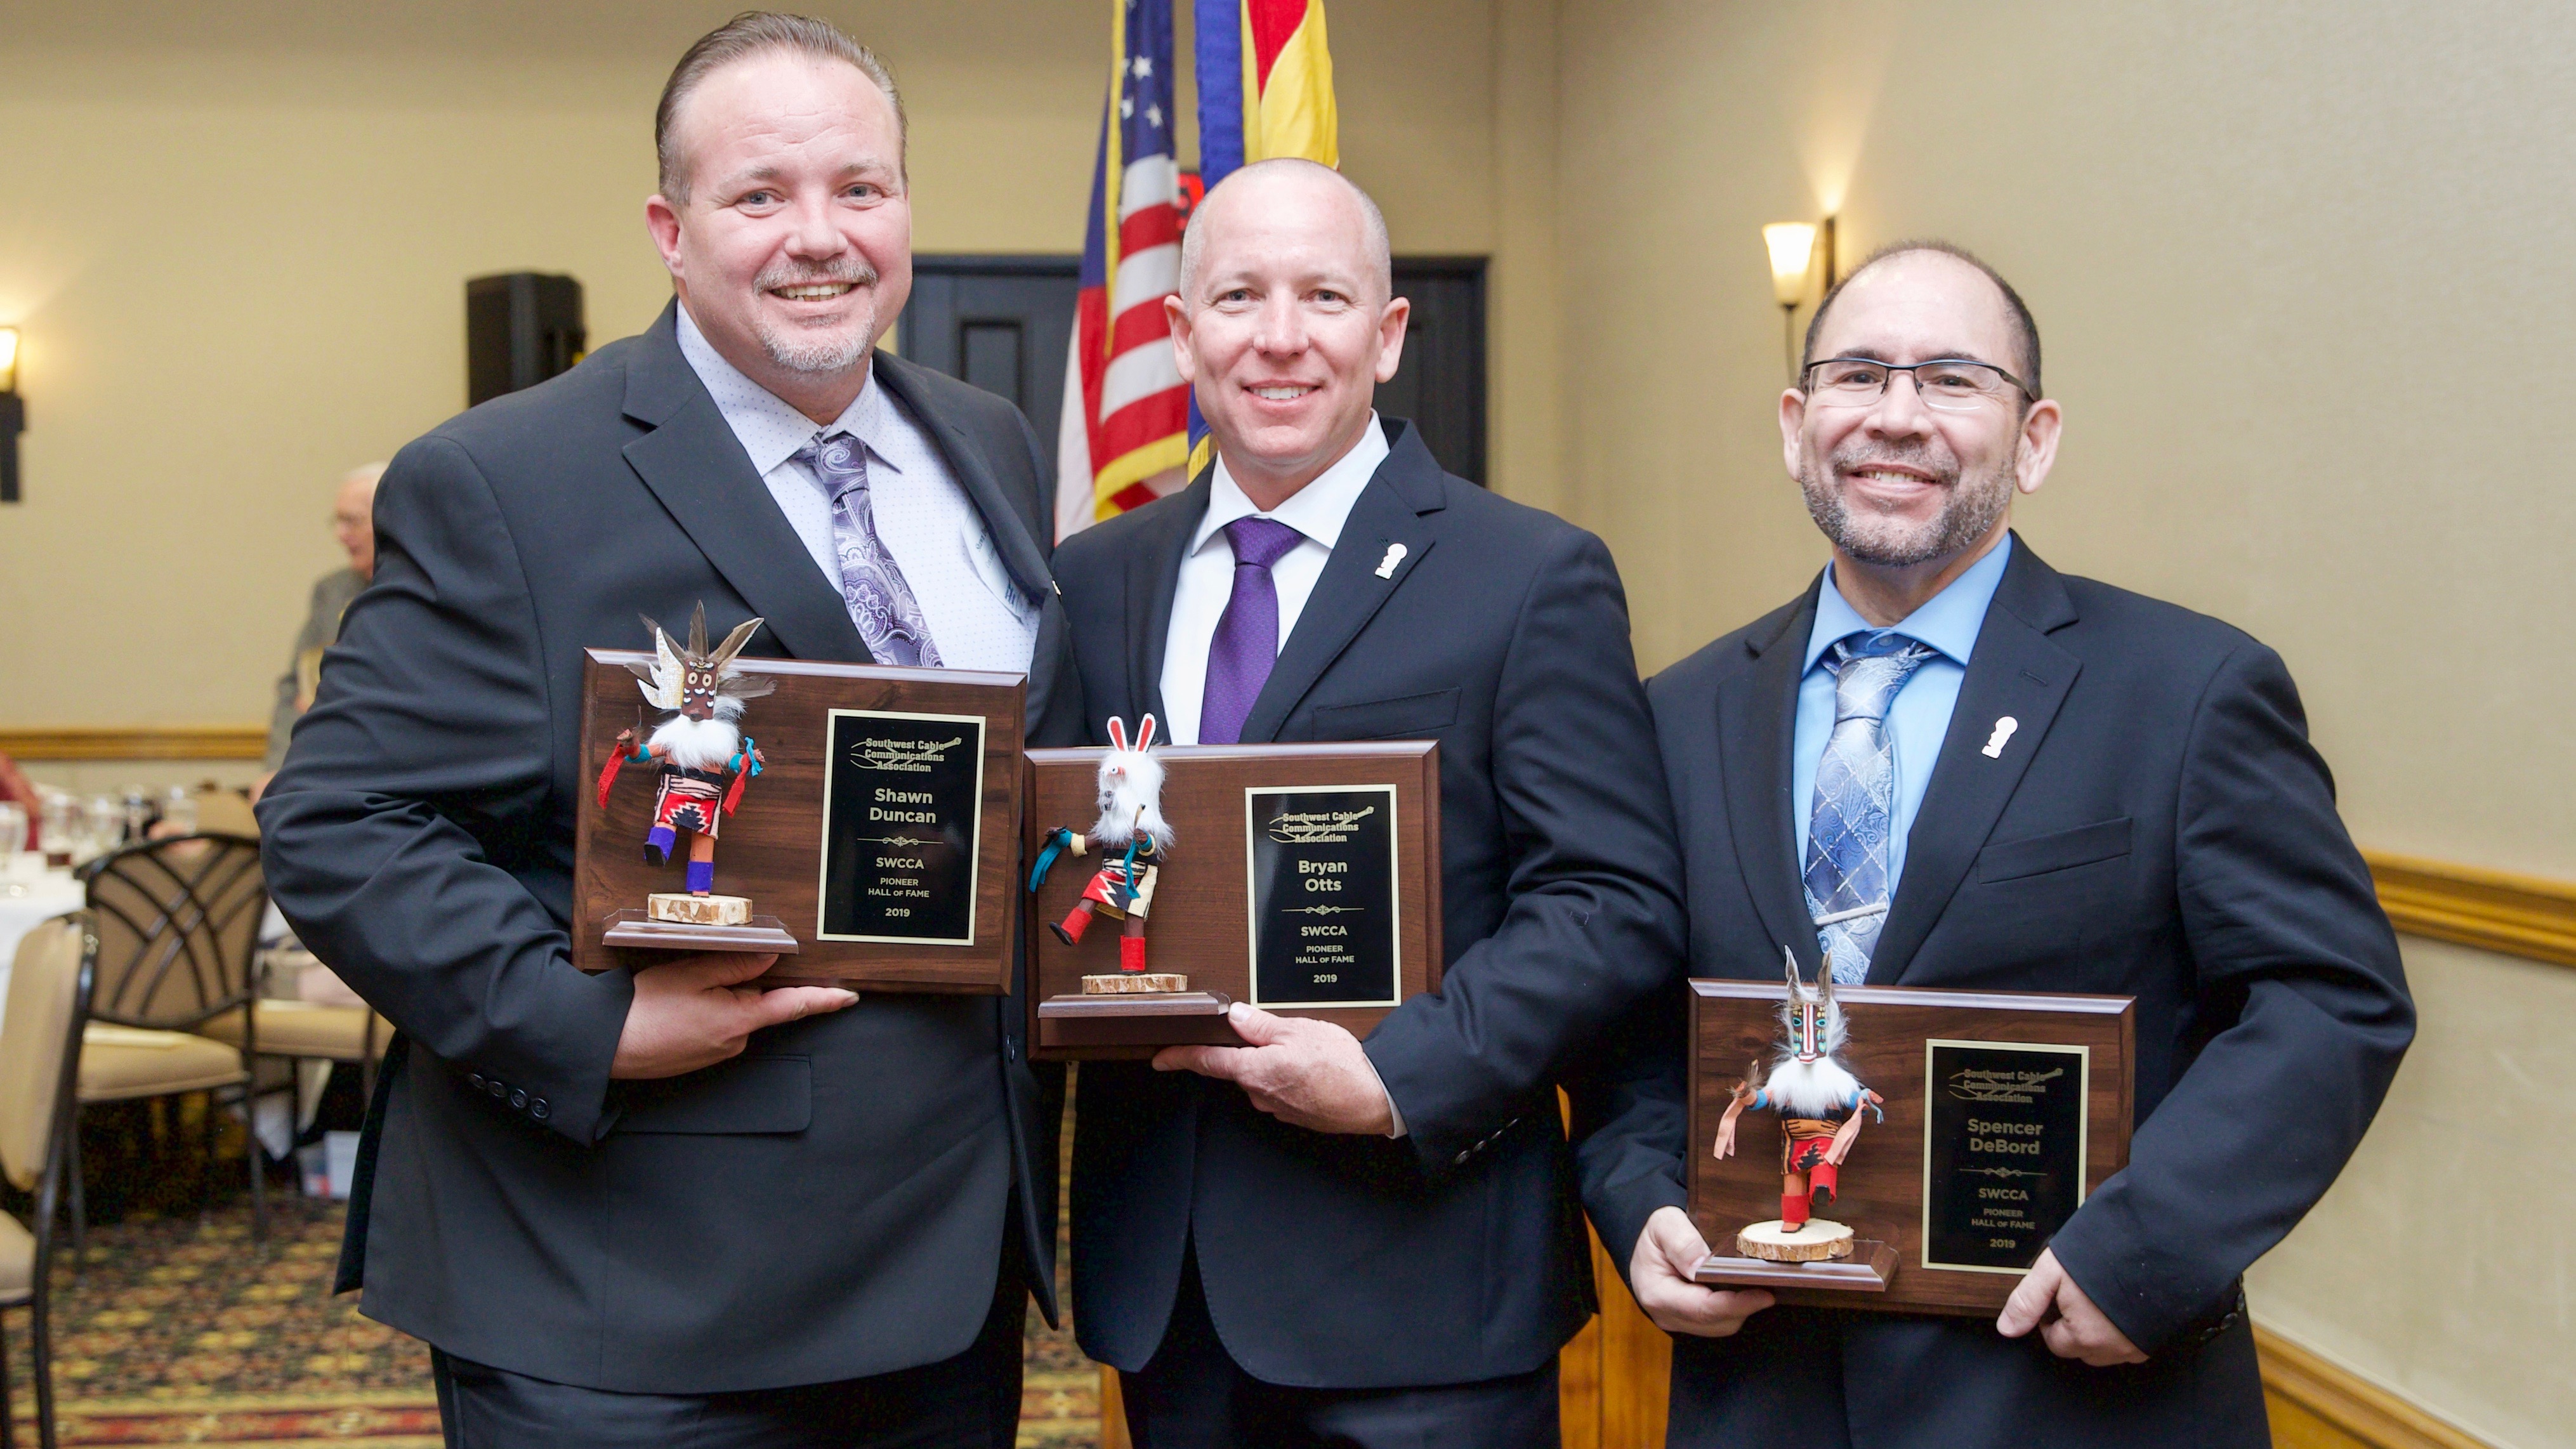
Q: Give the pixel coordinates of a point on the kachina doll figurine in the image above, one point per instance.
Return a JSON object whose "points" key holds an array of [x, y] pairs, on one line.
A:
{"points": [[697, 747], [1820, 1104], [1132, 838]]}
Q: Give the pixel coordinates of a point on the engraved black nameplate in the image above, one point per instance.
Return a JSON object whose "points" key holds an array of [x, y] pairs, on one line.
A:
{"points": [[902, 802], [2003, 1151], [1324, 900]]}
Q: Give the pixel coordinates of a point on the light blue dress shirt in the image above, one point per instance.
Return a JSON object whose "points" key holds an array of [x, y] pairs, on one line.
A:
{"points": [[1919, 719]]}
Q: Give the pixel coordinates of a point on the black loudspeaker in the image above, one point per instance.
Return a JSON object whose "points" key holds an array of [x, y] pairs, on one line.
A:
{"points": [[13, 421], [520, 329]]}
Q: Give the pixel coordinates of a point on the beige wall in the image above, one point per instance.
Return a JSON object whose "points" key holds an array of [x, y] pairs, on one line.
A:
{"points": [[2470, 1150], [2276, 251], [237, 236], [2284, 257]]}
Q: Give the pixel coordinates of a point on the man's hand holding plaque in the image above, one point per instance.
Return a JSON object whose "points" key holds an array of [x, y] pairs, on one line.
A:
{"points": [[1660, 1273], [1309, 1074], [697, 1010]]}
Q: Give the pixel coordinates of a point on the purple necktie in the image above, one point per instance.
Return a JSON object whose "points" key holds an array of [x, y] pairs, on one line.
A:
{"points": [[1247, 636]]}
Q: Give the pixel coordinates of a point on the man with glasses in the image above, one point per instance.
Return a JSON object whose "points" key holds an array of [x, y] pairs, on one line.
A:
{"points": [[1945, 764]]}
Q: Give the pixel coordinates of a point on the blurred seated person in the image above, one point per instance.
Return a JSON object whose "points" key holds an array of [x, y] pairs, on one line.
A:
{"points": [[15, 789], [353, 523]]}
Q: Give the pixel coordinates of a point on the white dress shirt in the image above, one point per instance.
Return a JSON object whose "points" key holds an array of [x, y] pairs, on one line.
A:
{"points": [[978, 617], [1317, 511]]}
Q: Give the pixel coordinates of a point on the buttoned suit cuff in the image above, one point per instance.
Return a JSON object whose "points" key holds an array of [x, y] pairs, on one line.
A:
{"points": [[2153, 1296]]}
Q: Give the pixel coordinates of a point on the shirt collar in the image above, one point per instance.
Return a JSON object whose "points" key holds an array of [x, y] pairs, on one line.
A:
{"points": [[770, 429], [1948, 621], [1317, 510]]}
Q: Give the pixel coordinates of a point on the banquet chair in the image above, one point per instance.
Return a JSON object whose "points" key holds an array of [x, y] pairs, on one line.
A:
{"points": [[177, 923], [300, 1031], [38, 1066], [309, 1031]]}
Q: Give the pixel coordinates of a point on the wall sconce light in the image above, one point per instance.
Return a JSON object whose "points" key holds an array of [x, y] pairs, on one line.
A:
{"points": [[1797, 247], [1793, 247], [13, 415]]}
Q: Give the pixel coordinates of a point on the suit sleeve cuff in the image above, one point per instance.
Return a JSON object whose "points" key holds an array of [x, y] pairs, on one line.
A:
{"points": [[1394, 1113]]}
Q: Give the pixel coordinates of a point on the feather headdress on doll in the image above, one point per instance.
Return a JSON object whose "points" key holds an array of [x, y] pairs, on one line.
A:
{"points": [[704, 688], [1808, 1078]]}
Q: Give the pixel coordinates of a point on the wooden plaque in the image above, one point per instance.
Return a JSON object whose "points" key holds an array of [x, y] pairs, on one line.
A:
{"points": [[2004, 1111], [1369, 894], [890, 871]]}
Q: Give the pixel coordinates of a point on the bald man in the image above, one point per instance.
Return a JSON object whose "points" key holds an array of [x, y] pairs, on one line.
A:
{"points": [[1317, 1238], [353, 523]]}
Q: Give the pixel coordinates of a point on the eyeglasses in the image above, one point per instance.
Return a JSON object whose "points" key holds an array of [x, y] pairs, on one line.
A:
{"points": [[1947, 384]]}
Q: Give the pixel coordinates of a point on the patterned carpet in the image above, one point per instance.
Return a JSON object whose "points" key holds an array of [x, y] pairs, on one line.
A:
{"points": [[179, 1331]]}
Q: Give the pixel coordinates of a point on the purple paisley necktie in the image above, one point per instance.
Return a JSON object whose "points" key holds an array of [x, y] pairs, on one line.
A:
{"points": [[880, 602], [1247, 636]]}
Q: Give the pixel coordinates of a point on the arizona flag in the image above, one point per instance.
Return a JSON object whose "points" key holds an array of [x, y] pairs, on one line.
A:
{"points": [[1124, 435], [1265, 91]]}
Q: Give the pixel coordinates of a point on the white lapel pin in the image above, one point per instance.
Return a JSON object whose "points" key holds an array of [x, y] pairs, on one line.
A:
{"points": [[1394, 555], [2004, 728]]}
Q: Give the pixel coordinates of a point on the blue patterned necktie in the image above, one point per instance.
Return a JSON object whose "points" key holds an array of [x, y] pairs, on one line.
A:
{"points": [[880, 602], [1846, 868]]}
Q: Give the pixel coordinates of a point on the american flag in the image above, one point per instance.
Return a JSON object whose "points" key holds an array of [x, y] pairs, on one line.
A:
{"points": [[1124, 436]]}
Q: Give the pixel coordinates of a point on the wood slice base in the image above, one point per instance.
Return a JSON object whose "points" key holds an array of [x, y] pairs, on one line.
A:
{"points": [[1810, 1242], [1134, 983], [687, 910], [634, 930], [1870, 1268], [1134, 1025]]}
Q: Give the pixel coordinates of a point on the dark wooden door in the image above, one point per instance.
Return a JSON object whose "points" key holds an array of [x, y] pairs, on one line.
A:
{"points": [[1441, 384], [1001, 323]]}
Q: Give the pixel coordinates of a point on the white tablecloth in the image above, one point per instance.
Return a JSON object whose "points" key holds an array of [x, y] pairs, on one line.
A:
{"points": [[24, 902]]}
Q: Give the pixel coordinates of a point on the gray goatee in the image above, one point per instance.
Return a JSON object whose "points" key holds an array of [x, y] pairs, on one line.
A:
{"points": [[1972, 507], [794, 354]]}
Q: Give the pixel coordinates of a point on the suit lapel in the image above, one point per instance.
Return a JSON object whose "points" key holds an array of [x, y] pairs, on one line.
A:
{"points": [[1759, 706], [1388, 511], [2015, 671], [696, 466], [1007, 526], [1153, 577]]}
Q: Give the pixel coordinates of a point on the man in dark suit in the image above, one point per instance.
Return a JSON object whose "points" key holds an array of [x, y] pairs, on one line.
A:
{"points": [[1314, 1239], [636, 1208], [1949, 765]]}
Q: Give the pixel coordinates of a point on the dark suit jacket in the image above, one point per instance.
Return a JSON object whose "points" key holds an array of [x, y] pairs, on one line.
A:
{"points": [[1456, 1253], [830, 1204], [2157, 827]]}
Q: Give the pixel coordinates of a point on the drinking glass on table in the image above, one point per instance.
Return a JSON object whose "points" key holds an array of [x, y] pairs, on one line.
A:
{"points": [[106, 824], [60, 838], [13, 830], [179, 809]]}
